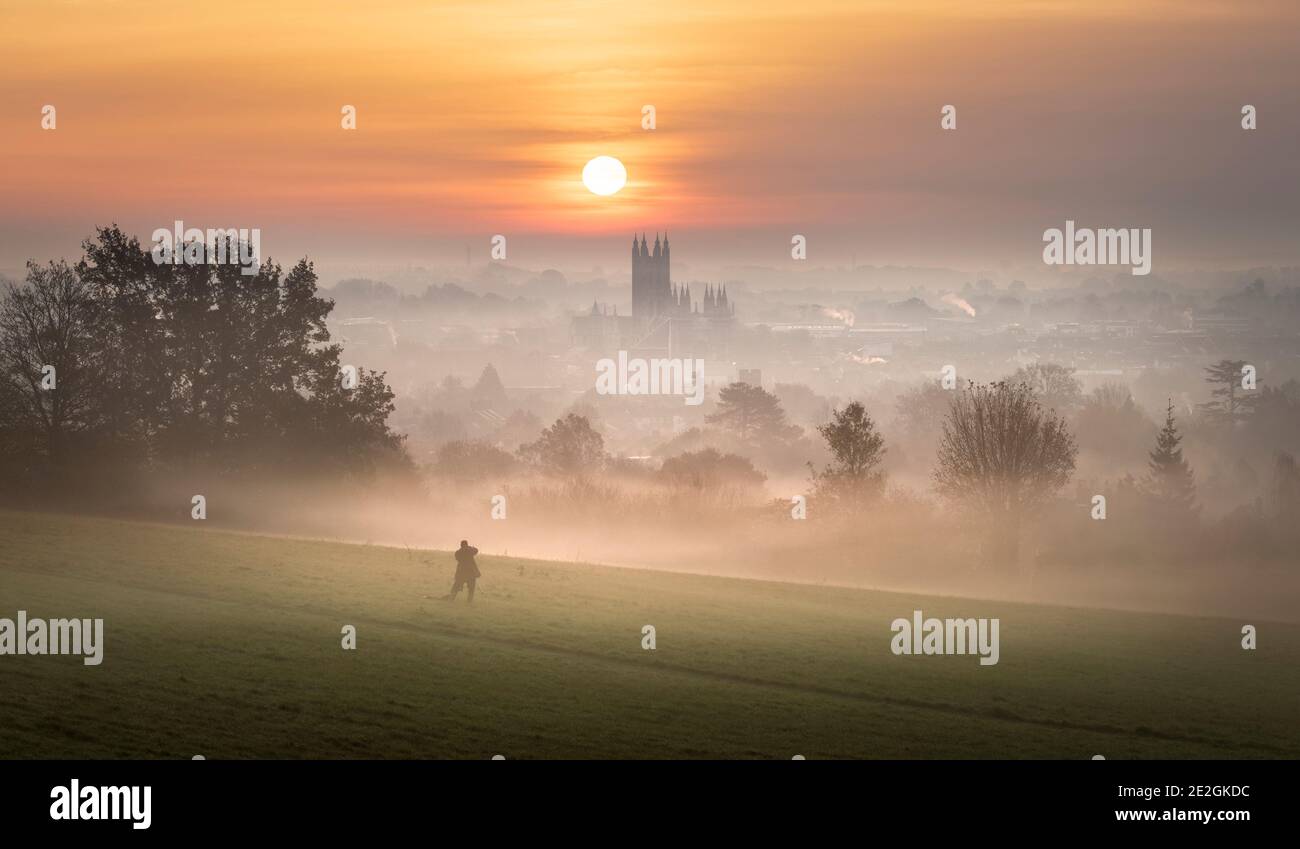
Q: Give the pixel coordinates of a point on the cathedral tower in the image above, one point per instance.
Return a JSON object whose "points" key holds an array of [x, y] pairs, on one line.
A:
{"points": [[652, 288]]}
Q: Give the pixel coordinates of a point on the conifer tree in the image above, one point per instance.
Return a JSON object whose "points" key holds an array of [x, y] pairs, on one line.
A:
{"points": [[1169, 478], [1232, 404]]}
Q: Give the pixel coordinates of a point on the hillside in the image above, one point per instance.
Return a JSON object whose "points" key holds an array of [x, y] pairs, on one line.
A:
{"points": [[228, 645]]}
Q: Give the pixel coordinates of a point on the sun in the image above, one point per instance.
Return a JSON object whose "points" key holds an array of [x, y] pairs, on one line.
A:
{"points": [[604, 175]]}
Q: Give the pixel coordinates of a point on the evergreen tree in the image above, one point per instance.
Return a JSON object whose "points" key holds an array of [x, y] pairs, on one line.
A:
{"points": [[1169, 479], [751, 413], [1232, 403], [489, 391]]}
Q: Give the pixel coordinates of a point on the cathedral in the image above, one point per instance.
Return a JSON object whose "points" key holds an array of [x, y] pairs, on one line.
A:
{"points": [[654, 295], [665, 317]]}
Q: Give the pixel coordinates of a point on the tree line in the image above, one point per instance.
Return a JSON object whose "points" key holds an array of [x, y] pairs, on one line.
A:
{"points": [[119, 364], [1004, 451]]}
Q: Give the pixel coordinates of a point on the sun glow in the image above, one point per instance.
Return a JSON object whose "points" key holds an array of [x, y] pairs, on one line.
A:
{"points": [[604, 175]]}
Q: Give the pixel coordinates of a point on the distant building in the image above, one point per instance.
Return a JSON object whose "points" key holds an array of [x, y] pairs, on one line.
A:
{"points": [[654, 295], [665, 318], [752, 376]]}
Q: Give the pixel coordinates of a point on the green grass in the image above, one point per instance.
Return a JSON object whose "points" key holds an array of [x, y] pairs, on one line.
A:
{"points": [[228, 645]]}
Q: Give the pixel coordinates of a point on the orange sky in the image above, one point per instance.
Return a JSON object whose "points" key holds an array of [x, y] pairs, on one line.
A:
{"points": [[815, 117]]}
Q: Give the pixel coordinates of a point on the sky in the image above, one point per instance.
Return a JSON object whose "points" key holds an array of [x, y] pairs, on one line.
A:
{"points": [[815, 118]]}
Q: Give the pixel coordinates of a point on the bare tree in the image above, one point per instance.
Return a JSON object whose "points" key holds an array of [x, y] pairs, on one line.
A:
{"points": [[1055, 386], [49, 355], [1001, 452]]}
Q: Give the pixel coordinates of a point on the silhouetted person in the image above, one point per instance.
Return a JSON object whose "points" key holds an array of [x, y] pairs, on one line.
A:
{"points": [[467, 572]]}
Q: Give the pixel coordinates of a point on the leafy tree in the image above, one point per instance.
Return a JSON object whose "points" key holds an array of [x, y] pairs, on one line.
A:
{"points": [[709, 468], [470, 460], [689, 440], [1111, 425], [200, 363], [1002, 452], [569, 447], [920, 411], [131, 289], [853, 476], [346, 429]]}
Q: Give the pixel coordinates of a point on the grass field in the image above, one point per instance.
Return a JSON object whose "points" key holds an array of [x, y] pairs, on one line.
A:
{"points": [[228, 645]]}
